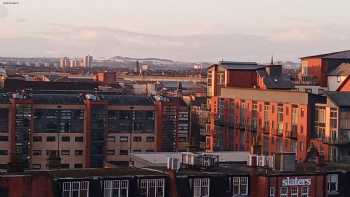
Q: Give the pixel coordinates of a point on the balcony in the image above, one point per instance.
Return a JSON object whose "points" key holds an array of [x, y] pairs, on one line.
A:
{"points": [[340, 140], [292, 134]]}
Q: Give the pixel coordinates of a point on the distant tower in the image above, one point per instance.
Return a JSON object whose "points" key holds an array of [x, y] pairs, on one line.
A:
{"points": [[64, 62], [137, 71], [87, 61]]}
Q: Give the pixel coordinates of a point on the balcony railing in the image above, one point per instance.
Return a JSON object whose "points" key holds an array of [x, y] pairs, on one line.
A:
{"points": [[292, 134], [340, 140]]}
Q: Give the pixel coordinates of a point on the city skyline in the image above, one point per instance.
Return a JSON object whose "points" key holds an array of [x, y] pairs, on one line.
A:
{"points": [[179, 30]]}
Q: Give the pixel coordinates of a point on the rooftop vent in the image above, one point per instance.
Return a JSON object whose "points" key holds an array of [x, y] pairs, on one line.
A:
{"points": [[199, 160]]}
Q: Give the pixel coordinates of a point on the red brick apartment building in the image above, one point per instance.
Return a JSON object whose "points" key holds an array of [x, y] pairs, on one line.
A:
{"points": [[84, 130], [278, 121], [316, 68], [174, 124], [245, 75]]}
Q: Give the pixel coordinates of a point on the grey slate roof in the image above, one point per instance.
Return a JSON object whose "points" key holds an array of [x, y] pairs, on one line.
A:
{"points": [[240, 65], [339, 55], [128, 100], [341, 70], [276, 82], [56, 99], [335, 55], [342, 99]]}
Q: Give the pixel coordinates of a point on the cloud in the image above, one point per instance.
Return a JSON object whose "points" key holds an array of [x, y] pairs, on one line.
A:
{"points": [[3, 11], [62, 40]]}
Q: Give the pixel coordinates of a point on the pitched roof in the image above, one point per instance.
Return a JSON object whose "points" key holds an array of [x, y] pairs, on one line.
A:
{"points": [[55, 99], [343, 70], [342, 99], [335, 55], [128, 100], [275, 82]]}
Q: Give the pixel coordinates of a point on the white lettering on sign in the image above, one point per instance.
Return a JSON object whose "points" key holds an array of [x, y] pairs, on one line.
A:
{"points": [[295, 181]]}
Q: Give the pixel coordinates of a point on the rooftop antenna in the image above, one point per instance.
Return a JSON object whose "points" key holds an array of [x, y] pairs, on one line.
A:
{"points": [[272, 60]]}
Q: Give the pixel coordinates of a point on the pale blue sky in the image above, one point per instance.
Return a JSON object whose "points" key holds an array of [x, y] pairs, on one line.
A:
{"points": [[179, 29]]}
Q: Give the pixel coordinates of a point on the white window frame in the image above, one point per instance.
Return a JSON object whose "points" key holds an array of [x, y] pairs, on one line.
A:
{"points": [[240, 182], [294, 191], [332, 178], [283, 194], [111, 186], [303, 193], [75, 186], [272, 192], [147, 184], [199, 184]]}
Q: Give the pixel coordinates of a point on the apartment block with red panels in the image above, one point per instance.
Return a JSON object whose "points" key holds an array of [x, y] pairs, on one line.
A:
{"points": [[245, 75], [315, 69], [277, 121], [173, 123], [84, 131]]}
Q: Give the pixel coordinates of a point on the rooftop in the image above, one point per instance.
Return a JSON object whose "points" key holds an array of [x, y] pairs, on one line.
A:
{"points": [[240, 65], [93, 172], [128, 100], [342, 99], [276, 81], [73, 99], [335, 55], [341, 70]]}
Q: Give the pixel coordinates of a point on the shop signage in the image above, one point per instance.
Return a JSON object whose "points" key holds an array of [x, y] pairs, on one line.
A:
{"points": [[295, 181]]}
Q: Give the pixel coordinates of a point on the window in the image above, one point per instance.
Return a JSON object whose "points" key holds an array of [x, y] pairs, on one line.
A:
{"points": [[272, 192], [4, 152], [114, 188], [123, 152], [284, 192], [240, 186], [332, 181], [50, 138], [150, 139], [36, 152], [36, 166], [150, 150], [51, 152], [37, 139], [65, 139], [65, 165], [201, 187], [65, 152], [305, 191], [123, 139], [78, 165], [75, 189], [4, 138], [152, 187], [111, 139], [294, 192], [79, 139], [110, 152], [78, 152], [136, 151], [137, 139], [338, 78]]}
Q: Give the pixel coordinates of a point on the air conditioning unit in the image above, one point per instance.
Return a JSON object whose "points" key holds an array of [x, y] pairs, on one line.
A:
{"points": [[172, 163], [252, 160], [91, 97]]}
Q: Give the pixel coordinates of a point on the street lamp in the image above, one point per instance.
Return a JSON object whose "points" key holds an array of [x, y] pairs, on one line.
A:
{"points": [[131, 163]]}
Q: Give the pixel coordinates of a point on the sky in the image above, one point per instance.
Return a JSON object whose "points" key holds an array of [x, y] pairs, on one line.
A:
{"points": [[184, 30]]}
